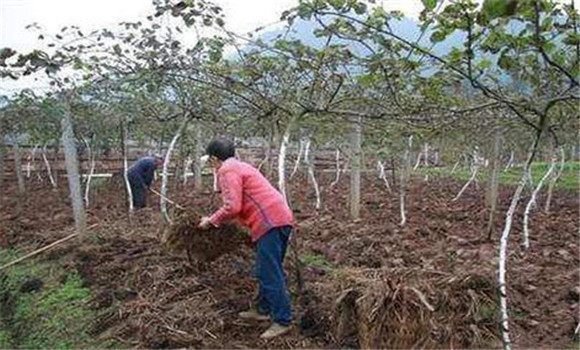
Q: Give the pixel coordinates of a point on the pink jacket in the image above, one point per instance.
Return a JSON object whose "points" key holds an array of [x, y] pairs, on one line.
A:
{"points": [[250, 198]]}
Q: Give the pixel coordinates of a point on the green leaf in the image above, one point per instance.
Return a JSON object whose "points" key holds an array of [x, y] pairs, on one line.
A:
{"points": [[506, 62], [360, 8], [455, 56], [117, 49], [429, 4], [78, 64], [499, 8], [484, 64], [337, 4], [438, 36], [572, 39]]}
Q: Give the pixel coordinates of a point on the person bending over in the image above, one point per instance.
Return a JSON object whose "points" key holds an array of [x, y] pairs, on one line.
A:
{"points": [[249, 198], [140, 178]]}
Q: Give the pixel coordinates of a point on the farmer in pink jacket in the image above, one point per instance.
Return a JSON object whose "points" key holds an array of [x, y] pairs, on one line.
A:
{"points": [[249, 198]]}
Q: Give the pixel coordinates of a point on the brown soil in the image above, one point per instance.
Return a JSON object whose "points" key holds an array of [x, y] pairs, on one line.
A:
{"points": [[430, 284]]}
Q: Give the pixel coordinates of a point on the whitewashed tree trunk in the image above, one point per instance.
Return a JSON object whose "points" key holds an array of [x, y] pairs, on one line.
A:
{"points": [[72, 169], [186, 166], [405, 171], [530, 179], [474, 169], [18, 168], [215, 180], [265, 161], [297, 163], [337, 160], [510, 162], [92, 163], [30, 161], [55, 162], [493, 189], [455, 167], [553, 180], [532, 202], [197, 179], [383, 174], [282, 161], [426, 154], [355, 167], [48, 168], [124, 148], [310, 165], [503, 247], [164, 176], [418, 162]]}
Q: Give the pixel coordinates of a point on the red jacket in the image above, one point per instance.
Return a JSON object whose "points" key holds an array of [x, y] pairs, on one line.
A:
{"points": [[250, 198]]}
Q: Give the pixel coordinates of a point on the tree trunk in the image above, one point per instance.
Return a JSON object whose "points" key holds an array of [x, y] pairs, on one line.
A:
{"points": [[455, 167], [282, 161], [265, 161], [504, 242], [474, 169], [197, 179], [297, 163], [164, 176], [186, 166], [355, 167], [91, 159], [310, 165], [55, 162], [18, 168], [383, 174], [72, 169], [532, 202], [553, 181], [128, 191], [493, 182], [48, 168], [510, 162], [215, 180], [30, 161], [418, 162], [405, 171], [337, 169]]}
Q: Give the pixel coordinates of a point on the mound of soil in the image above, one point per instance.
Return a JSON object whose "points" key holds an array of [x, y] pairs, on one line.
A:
{"points": [[203, 245]]}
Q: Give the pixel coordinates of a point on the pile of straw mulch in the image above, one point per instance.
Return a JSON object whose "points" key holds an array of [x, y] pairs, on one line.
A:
{"points": [[203, 245], [405, 308]]}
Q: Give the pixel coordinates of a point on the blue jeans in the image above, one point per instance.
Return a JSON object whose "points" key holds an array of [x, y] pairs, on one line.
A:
{"points": [[273, 298], [137, 191]]}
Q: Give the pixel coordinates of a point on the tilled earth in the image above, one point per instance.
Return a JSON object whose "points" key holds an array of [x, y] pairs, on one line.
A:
{"points": [[150, 297]]}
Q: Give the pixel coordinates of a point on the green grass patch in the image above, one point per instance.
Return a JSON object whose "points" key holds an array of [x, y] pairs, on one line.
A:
{"points": [[568, 181], [318, 261], [56, 316]]}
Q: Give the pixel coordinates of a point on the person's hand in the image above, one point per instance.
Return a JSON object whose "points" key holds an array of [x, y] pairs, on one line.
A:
{"points": [[205, 223]]}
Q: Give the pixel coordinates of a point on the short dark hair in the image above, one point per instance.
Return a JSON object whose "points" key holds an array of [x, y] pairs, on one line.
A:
{"points": [[221, 148]]}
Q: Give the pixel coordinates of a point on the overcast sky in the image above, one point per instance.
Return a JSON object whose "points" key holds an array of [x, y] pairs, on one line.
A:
{"points": [[241, 16]]}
